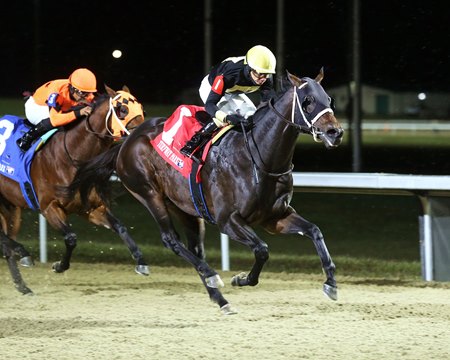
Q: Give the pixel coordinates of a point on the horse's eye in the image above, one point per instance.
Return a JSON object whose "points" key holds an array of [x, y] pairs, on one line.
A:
{"points": [[123, 112], [308, 104]]}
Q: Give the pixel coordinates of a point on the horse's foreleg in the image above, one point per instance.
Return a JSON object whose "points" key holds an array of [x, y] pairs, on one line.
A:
{"points": [[141, 265], [57, 218], [70, 240], [238, 230], [295, 224]]}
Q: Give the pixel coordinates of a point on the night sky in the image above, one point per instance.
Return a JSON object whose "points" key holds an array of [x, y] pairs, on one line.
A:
{"points": [[404, 44]]}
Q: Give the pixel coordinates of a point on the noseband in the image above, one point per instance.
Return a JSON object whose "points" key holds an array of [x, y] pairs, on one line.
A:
{"points": [[309, 128], [111, 112]]}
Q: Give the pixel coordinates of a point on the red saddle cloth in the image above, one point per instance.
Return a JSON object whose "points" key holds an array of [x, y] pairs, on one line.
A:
{"points": [[178, 129]]}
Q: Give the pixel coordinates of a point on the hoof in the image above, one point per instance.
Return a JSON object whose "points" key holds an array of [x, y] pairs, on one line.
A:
{"points": [[27, 292], [330, 291], [142, 270], [26, 261], [214, 281], [228, 310], [239, 279], [56, 267]]}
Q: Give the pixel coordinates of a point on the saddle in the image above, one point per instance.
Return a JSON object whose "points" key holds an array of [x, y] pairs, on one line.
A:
{"points": [[178, 129], [16, 164]]}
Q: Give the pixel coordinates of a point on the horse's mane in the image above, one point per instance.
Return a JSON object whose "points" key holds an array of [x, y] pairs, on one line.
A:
{"points": [[99, 100], [262, 108], [284, 85]]}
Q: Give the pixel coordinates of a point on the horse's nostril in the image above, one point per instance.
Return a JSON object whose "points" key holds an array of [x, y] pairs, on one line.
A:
{"points": [[335, 133]]}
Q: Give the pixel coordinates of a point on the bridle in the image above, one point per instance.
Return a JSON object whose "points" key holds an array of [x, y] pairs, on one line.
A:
{"points": [[308, 129], [111, 112]]}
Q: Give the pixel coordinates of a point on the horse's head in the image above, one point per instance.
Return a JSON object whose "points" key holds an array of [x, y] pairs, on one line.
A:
{"points": [[313, 110], [125, 112]]}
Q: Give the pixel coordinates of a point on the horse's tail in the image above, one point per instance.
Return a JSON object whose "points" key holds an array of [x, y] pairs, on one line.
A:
{"points": [[95, 174]]}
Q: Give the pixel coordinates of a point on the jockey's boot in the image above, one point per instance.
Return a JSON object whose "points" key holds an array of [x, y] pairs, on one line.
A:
{"points": [[24, 143], [193, 144]]}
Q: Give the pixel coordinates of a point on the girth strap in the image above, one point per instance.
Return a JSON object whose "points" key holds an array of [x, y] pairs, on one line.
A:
{"points": [[197, 196]]}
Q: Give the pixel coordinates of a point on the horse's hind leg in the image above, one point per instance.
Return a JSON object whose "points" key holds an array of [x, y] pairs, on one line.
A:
{"points": [[11, 220], [238, 230], [102, 216], [19, 249], [295, 224], [12, 265], [194, 229], [155, 204], [142, 267]]}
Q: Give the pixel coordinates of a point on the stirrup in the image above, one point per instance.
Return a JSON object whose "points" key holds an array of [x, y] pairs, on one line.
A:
{"points": [[190, 155], [196, 159]]}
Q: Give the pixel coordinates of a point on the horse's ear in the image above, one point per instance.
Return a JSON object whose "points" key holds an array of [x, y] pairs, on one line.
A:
{"points": [[126, 89], [110, 91], [320, 76], [294, 80]]}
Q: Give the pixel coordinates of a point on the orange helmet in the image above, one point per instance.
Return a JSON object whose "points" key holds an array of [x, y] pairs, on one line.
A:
{"points": [[84, 80]]}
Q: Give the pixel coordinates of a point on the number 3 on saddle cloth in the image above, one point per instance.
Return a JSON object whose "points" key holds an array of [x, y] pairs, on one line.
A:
{"points": [[178, 129], [14, 163]]}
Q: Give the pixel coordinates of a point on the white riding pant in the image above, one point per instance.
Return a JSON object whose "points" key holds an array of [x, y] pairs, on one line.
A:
{"points": [[229, 103], [36, 113]]}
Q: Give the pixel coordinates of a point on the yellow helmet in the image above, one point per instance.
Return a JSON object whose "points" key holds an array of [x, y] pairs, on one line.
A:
{"points": [[84, 80], [261, 59]]}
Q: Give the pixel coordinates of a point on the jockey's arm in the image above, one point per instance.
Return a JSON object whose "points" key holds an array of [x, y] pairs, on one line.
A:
{"points": [[58, 118], [212, 108]]}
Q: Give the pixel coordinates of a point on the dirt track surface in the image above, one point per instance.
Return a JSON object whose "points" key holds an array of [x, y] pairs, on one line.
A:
{"points": [[107, 312]]}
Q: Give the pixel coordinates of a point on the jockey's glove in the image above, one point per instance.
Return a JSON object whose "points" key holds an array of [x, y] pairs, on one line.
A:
{"points": [[82, 110], [235, 119]]}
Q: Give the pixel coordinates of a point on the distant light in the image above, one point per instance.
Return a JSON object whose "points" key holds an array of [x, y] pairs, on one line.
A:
{"points": [[422, 96], [117, 54]]}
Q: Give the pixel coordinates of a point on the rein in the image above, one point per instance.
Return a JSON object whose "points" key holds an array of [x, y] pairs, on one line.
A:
{"points": [[89, 129], [67, 151], [256, 167], [112, 113], [308, 129]]}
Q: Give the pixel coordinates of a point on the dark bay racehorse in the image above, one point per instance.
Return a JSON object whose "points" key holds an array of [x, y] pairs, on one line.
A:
{"points": [[237, 199], [113, 115]]}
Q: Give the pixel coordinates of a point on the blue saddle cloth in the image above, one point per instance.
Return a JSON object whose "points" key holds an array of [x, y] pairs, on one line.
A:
{"points": [[15, 163]]}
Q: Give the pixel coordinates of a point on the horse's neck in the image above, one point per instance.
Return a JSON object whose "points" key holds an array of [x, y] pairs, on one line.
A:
{"points": [[87, 138], [276, 138]]}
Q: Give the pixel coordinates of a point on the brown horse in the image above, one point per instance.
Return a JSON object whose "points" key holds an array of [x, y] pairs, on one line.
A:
{"points": [[247, 181], [54, 165]]}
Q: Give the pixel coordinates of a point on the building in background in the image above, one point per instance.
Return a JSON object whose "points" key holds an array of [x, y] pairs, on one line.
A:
{"points": [[380, 102]]}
